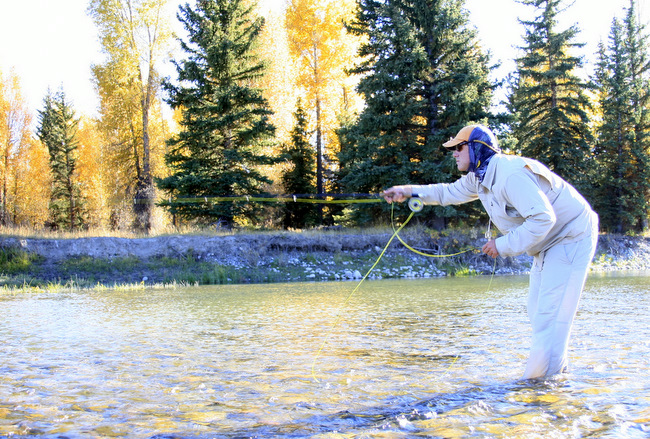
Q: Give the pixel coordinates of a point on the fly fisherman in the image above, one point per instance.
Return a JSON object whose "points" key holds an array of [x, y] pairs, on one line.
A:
{"points": [[538, 213]]}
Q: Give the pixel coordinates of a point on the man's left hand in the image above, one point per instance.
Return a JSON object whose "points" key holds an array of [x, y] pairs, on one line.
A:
{"points": [[490, 249]]}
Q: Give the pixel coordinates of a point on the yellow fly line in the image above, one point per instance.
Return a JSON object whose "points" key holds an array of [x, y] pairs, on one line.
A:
{"points": [[415, 204], [321, 199], [347, 300], [415, 207]]}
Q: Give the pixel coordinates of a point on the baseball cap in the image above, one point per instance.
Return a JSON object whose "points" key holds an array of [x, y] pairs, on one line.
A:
{"points": [[478, 133]]}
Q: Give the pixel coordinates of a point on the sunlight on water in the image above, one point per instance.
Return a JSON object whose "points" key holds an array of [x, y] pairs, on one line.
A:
{"points": [[437, 357]]}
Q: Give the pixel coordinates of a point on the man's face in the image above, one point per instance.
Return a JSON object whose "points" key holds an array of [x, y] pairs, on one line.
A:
{"points": [[461, 154]]}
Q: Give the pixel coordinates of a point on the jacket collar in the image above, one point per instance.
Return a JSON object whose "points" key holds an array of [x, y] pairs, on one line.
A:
{"points": [[490, 172]]}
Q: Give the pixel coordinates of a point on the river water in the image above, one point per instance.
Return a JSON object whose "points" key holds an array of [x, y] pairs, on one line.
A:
{"points": [[400, 359]]}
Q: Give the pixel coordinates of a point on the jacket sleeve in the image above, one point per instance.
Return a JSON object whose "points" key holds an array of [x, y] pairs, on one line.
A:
{"points": [[461, 191], [523, 193]]}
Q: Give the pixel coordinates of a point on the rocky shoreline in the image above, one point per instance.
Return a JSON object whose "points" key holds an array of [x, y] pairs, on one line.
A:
{"points": [[279, 257]]}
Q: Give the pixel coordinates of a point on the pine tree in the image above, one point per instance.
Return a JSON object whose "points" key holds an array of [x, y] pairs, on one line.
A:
{"points": [[58, 131], [549, 99], [424, 77], [224, 119], [299, 178], [622, 147], [612, 147], [638, 48]]}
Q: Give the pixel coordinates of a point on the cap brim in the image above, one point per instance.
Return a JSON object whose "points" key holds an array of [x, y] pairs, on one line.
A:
{"points": [[453, 142]]}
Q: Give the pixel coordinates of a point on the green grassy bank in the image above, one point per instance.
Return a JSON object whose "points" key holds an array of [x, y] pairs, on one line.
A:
{"points": [[51, 264]]}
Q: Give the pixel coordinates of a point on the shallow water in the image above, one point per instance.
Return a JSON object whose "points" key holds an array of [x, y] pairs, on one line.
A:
{"points": [[411, 358]]}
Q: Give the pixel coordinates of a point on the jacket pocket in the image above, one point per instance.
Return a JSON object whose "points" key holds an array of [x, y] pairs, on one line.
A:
{"points": [[569, 251], [512, 212]]}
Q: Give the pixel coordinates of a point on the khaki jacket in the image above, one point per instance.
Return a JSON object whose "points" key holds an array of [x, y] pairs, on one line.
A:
{"points": [[533, 207]]}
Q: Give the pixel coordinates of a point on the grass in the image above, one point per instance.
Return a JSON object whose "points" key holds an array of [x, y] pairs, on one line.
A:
{"points": [[313, 248], [214, 274], [28, 232], [93, 265], [465, 272], [58, 287], [13, 260], [309, 255], [84, 272], [191, 230]]}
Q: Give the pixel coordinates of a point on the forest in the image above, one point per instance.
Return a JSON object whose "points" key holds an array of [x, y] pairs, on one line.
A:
{"points": [[330, 102]]}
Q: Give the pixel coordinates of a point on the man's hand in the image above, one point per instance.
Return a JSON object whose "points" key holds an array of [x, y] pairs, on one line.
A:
{"points": [[490, 249], [397, 194]]}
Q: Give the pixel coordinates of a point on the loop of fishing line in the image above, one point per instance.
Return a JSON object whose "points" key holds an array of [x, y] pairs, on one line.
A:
{"points": [[415, 205], [347, 300]]}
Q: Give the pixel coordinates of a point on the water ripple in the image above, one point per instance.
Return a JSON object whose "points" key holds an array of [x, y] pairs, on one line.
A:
{"points": [[435, 358]]}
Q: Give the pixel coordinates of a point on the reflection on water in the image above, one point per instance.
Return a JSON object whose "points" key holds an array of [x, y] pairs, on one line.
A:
{"points": [[437, 357]]}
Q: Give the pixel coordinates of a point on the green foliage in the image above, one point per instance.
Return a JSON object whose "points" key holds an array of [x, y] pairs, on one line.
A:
{"points": [[424, 77], [621, 78], [204, 273], [548, 99], [225, 121], [465, 272], [300, 176], [92, 265], [58, 131], [13, 260]]}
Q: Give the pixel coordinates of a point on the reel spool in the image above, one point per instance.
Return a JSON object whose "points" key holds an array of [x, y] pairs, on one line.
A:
{"points": [[415, 204]]}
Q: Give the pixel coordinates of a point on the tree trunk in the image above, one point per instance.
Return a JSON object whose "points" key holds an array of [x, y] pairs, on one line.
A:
{"points": [[144, 197], [144, 191], [3, 196], [319, 159]]}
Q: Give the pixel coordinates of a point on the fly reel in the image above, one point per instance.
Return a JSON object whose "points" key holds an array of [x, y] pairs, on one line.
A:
{"points": [[415, 204]]}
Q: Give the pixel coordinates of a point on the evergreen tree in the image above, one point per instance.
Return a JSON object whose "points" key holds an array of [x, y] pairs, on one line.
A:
{"points": [[622, 147], [424, 76], [612, 147], [225, 120], [58, 132], [300, 177], [549, 99], [638, 48]]}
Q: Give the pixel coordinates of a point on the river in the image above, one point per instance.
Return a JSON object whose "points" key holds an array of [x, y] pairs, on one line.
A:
{"points": [[398, 359]]}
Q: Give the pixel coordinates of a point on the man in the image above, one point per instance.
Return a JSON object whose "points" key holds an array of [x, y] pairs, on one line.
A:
{"points": [[538, 213]]}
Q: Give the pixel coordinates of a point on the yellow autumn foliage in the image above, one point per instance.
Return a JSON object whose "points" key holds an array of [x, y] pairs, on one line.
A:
{"points": [[24, 171]]}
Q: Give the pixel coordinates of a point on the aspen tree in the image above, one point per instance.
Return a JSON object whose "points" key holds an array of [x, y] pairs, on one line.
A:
{"points": [[15, 141], [135, 35], [324, 50]]}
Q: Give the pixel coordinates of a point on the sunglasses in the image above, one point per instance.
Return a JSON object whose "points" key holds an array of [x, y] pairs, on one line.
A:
{"points": [[459, 147]]}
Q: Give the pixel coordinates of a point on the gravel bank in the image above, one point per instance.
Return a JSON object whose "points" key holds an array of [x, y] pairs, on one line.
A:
{"points": [[281, 257]]}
